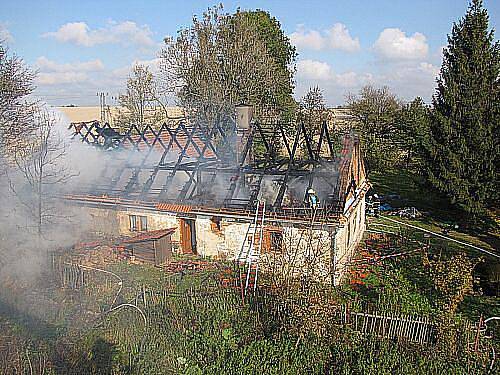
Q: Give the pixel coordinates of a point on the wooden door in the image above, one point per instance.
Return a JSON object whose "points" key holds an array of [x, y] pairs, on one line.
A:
{"points": [[163, 250], [186, 237]]}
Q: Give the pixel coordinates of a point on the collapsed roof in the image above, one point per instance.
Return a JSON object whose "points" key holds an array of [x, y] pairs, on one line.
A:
{"points": [[190, 165]]}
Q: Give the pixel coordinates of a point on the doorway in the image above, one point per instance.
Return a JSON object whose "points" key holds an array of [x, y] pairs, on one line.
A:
{"points": [[188, 236]]}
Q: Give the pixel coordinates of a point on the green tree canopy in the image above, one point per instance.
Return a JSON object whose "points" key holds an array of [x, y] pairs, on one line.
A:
{"points": [[279, 47], [463, 149], [376, 112], [412, 131], [222, 60]]}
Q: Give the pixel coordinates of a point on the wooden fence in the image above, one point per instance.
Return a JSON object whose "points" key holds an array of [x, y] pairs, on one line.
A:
{"points": [[68, 275]]}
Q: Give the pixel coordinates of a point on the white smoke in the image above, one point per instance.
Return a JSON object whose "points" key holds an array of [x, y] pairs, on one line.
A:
{"points": [[23, 250]]}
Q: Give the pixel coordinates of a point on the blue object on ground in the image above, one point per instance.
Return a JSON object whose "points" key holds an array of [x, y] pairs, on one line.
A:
{"points": [[385, 207]]}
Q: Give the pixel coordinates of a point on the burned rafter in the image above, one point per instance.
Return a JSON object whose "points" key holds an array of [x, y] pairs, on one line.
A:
{"points": [[196, 167], [200, 156], [281, 193]]}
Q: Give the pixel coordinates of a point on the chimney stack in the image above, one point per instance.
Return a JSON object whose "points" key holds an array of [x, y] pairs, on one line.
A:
{"points": [[244, 113]]}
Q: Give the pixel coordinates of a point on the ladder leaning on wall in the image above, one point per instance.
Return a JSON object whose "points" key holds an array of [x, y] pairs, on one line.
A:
{"points": [[251, 249]]}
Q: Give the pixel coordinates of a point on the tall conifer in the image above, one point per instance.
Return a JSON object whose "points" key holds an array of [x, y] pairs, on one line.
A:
{"points": [[463, 148]]}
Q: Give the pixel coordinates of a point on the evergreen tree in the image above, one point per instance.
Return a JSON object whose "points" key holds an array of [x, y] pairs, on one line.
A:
{"points": [[463, 150]]}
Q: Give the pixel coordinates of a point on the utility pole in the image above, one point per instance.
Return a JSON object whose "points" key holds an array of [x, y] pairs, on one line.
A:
{"points": [[102, 104]]}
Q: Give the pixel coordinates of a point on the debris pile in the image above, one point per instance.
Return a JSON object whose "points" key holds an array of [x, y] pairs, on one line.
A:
{"points": [[180, 266], [407, 212]]}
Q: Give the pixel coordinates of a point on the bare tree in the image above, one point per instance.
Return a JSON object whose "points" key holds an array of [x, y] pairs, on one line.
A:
{"points": [[312, 111], [219, 62], [16, 83], [143, 102], [40, 173]]}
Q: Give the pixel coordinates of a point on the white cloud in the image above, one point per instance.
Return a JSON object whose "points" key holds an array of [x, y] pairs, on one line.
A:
{"points": [[393, 44], [53, 73], [78, 82], [407, 79], [5, 34], [45, 64], [324, 75], [340, 38], [56, 78], [337, 37], [126, 33], [307, 39], [429, 68], [124, 72], [311, 69]]}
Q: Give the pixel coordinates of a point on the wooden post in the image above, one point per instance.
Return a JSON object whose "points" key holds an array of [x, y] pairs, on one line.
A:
{"points": [[476, 341]]}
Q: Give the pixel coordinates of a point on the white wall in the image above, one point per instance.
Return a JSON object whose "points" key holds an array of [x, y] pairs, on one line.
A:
{"points": [[227, 242]]}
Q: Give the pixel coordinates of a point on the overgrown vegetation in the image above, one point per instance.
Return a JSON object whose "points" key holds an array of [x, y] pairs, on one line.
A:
{"points": [[193, 326]]}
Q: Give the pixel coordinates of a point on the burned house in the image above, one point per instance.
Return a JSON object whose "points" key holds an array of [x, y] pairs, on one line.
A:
{"points": [[208, 182]]}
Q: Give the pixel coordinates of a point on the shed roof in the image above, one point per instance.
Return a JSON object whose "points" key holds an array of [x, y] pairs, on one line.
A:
{"points": [[151, 235]]}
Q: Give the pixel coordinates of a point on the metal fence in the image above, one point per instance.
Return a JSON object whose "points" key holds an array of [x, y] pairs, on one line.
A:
{"points": [[390, 325]]}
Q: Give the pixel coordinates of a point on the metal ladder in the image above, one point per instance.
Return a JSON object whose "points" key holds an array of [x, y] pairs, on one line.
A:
{"points": [[251, 249]]}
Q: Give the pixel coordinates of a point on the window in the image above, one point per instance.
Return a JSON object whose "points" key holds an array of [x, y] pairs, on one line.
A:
{"points": [[272, 240], [138, 223], [144, 223], [276, 241], [133, 223], [215, 224]]}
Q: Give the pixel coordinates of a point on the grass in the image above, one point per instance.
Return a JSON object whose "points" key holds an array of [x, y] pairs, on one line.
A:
{"points": [[216, 334], [438, 213]]}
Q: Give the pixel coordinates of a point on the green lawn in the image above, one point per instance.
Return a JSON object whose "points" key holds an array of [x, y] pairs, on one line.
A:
{"points": [[438, 213]]}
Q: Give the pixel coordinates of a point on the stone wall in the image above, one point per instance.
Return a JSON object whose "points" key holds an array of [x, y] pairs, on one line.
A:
{"points": [[303, 250]]}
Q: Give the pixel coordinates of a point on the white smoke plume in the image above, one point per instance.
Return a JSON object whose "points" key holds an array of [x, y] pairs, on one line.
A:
{"points": [[23, 250]]}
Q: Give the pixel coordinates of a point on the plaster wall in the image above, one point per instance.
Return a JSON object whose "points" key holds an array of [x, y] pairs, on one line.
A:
{"points": [[304, 251], [116, 222], [102, 221], [155, 222], [208, 242], [234, 235], [347, 239]]}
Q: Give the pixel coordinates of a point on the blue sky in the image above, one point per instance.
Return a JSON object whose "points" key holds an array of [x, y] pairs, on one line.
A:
{"points": [[81, 47]]}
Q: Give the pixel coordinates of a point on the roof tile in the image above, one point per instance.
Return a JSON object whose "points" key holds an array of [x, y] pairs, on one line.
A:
{"points": [[172, 207]]}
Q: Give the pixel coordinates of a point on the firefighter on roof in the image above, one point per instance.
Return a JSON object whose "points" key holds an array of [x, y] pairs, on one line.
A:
{"points": [[312, 198]]}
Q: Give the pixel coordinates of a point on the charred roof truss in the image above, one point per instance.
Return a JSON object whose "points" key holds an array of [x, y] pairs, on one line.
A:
{"points": [[190, 163]]}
